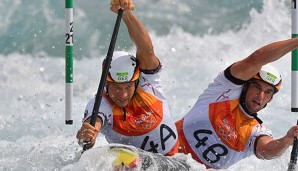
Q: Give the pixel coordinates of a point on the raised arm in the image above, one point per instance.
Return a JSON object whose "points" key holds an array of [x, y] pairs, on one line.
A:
{"points": [[248, 67], [138, 34]]}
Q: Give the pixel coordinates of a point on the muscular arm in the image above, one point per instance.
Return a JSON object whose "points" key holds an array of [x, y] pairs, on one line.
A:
{"points": [[268, 148], [248, 67], [138, 34]]}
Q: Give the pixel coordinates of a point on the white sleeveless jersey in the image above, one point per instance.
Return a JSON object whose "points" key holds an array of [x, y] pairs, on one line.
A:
{"points": [[217, 131], [148, 124]]}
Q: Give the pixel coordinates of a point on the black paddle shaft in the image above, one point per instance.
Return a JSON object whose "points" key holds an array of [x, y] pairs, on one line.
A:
{"points": [[294, 153], [105, 71]]}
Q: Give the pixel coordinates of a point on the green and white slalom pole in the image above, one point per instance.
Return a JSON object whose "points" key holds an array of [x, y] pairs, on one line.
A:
{"points": [[294, 82], [294, 106], [68, 61]]}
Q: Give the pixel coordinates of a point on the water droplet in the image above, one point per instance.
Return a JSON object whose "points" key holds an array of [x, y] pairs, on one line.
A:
{"points": [[20, 97], [41, 69]]}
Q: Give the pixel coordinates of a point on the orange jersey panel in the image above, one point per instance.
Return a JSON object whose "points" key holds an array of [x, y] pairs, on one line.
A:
{"points": [[143, 114], [230, 124]]}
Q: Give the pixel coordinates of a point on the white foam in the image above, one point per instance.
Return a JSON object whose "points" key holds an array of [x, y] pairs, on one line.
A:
{"points": [[32, 130]]}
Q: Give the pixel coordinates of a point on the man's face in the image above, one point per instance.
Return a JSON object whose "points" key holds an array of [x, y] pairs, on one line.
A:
{"points": [[121, 93], [258, 95]]}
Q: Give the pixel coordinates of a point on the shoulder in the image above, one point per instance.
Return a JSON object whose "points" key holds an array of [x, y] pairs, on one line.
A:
{"points": [[104, 104], [224, 81], [152, 71], [151, 78], [228, 75]]}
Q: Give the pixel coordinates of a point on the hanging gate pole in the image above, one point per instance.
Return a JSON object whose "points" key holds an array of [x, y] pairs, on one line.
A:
{"points": [[68, 61]]}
